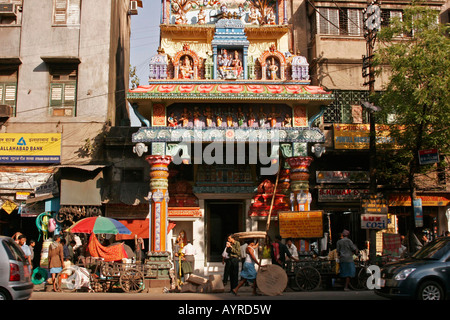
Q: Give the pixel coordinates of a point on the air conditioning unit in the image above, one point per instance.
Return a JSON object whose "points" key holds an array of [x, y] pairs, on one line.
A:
{"points": [[133, 8], [6, 111], [7, 9]]}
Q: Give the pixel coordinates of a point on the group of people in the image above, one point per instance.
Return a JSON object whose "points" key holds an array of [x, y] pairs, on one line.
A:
{"points": [[28, 249], [60, 254], [280, 254], [247, 254]]}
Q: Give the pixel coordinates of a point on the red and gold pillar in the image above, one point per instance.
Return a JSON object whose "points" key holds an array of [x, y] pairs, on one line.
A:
{"points": [[299, 176], [159, 200]]}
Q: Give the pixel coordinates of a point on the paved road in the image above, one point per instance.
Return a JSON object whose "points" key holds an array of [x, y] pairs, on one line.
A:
{"points": [[245, 295], [112, 305]]}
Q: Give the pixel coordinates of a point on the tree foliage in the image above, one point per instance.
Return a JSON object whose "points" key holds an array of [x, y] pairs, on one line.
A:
{"points": [[415, 51]]}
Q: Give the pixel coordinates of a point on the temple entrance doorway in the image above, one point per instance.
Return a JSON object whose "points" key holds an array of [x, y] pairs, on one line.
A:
{"points": [[223, 218]]}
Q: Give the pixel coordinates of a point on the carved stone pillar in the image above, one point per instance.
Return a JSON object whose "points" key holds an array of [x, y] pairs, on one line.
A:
{"points": [[299, 176], [158, 200]]}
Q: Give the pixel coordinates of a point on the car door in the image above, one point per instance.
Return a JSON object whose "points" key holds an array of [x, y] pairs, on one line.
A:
{"points": [[446, 274]]}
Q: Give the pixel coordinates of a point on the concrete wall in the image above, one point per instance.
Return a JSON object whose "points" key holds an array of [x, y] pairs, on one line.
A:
{"points": [[100, 42]]}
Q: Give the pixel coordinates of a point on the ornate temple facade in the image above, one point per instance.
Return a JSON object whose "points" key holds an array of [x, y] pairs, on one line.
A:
{"points": [[227, 106]]}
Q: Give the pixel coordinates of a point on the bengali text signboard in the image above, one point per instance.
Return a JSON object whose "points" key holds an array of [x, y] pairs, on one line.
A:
{"points": [[357, 136], [301, 224], [30, 147], [374, 204]]}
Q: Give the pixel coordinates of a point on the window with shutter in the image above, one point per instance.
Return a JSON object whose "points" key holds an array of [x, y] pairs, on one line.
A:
{"points": [[8, 86], [63, 90], [328, 21], [66, 12], [355, 22]]}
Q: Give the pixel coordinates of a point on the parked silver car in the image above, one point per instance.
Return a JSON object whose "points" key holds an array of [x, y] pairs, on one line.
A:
{"points": [[15, 276]]}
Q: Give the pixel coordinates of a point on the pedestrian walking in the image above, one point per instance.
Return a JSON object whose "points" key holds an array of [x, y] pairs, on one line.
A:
{"points": [[234, 251], [248, 273], [226, 271], [345, 249], [243, 255], [55, 259]]}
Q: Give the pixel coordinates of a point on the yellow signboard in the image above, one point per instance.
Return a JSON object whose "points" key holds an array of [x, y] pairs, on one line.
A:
{"points": [[301, 224], [30, 147], [357, 136]]}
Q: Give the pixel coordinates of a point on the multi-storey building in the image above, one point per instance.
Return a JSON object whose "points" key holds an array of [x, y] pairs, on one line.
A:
{"points": [[227, 103], [193, 93], [63, 79], [332, 38]]}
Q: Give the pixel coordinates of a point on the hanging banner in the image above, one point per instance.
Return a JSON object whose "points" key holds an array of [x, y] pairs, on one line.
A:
{"points": [[418, 213], [304, 224], [30, 147]]}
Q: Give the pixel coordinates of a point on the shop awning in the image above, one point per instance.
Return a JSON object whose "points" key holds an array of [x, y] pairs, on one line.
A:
{"points": [[220, 91], [82, 190], [402, 200]]}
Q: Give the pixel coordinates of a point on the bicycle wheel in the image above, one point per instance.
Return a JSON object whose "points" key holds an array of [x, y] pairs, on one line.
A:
{"points": [[307, 278], [360, 281]]}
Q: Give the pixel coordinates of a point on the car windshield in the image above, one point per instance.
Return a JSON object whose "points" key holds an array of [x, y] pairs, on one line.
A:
{"points": [[13, 250], [433, 250]]}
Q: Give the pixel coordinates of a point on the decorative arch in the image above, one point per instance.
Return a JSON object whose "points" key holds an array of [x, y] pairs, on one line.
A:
{"points": [[269, 55], [177, 61]]}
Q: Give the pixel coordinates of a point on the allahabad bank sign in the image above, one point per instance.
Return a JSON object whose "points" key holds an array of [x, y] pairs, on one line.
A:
{"points": [[357, 136], [30, 147]]}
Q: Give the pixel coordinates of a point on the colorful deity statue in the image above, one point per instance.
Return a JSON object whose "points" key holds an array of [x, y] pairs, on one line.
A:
{"points": [[236, 64], [287, 120], [208, 116], [196, 116], [230, 117], [270, 16], [262, 117], [250, 117], [172, 120], [201, 18], [186, 70], [185, 117], [219, 118], [273, 115], [241, 117], [272, 69]]}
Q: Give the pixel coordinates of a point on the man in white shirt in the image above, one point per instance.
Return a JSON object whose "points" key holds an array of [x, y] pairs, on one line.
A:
{"points": [[293, 251], [292, 248], [189, 253]]}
